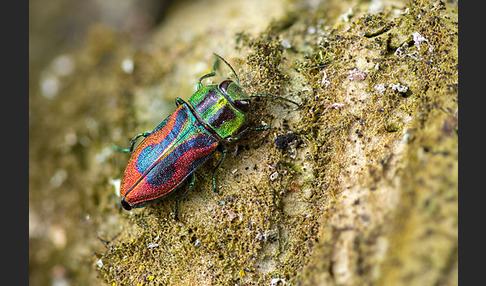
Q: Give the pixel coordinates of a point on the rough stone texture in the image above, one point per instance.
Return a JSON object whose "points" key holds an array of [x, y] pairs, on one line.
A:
{"points": [[366, 195]]}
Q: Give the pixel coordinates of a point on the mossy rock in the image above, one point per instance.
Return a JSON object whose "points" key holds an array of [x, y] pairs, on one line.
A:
{"points": [[365, 193]]}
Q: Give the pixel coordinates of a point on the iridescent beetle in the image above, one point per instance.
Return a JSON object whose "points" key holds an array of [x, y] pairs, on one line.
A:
{"points": [[171, 153]]}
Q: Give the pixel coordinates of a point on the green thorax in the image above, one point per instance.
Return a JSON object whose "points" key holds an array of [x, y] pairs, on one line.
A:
{"points": [[218, 110]]}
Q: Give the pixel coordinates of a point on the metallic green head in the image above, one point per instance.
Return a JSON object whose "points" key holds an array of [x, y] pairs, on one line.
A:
{"points": [[222, 107], [236, 95]]}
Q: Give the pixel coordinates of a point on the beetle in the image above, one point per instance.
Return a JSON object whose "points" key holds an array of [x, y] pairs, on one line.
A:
{"points": [[168, 156]]}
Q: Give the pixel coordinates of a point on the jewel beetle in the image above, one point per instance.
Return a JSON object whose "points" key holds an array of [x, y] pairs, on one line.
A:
{"points": [[169, 155]]}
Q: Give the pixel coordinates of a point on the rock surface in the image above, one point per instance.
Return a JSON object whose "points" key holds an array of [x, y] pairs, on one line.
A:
{"points": [[366, 194]]}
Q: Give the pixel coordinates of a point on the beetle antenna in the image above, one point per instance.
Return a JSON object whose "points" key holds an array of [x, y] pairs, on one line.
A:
{"points": [[277, 97], [236, 76]]}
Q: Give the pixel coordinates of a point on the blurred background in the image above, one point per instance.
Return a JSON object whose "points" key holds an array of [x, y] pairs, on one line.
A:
{"points": [[64, 130]]}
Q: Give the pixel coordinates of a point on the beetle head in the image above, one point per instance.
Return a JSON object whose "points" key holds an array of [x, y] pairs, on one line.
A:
{"points": [[239, 98]]}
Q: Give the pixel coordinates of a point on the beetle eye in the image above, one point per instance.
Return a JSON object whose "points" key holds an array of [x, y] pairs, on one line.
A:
{"points": [[242, 105], [223, 86]]}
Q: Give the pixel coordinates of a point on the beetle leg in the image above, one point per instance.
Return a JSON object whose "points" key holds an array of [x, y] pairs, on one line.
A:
{"points": [[179, 101], [260, 128], [132, 143], [238, 136], [183, 196], [212, 73], [223, 151]]}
